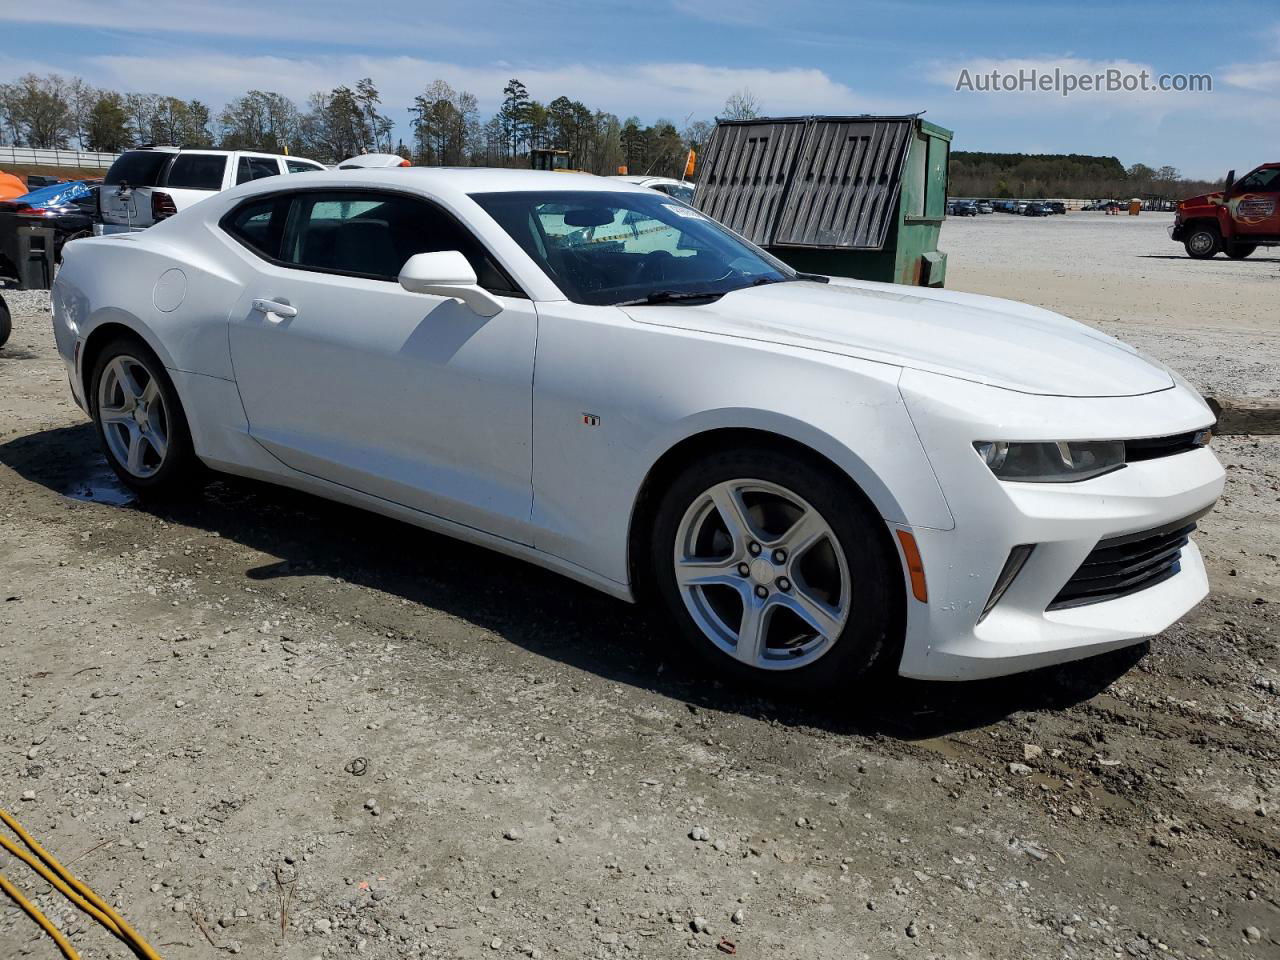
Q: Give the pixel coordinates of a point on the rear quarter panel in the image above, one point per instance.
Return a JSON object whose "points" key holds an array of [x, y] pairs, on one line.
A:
{"points": [[117, 279]]}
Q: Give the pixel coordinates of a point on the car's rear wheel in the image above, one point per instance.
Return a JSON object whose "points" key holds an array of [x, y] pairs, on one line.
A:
{"points": [[1202, 242], [6, 322], [140, 421], [1238, 251], [775, 571]]}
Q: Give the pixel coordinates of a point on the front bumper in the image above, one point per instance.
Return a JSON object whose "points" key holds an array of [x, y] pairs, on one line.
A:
{"points": [[946, 637]]}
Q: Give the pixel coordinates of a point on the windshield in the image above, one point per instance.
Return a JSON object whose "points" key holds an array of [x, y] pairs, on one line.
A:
{"points": [[607, 248]]}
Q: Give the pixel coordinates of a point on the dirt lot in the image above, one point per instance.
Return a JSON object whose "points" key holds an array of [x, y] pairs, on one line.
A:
{"points": [[265, 724]]}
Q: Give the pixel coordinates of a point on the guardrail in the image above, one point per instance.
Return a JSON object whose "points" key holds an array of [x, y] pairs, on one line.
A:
{"points": [[33, 157]]}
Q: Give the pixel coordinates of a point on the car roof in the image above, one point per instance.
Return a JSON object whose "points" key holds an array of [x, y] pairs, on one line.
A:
{"points": [[454, 181]]}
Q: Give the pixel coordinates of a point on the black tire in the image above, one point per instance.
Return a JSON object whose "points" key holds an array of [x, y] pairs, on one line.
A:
{"points": [[1202, 242], [872, 632], [179, 467], [1238, 251], [6, 322]]}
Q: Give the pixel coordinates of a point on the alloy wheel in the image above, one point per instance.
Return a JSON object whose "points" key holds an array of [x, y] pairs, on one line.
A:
{"points": [[762, 574], [134, 419]]}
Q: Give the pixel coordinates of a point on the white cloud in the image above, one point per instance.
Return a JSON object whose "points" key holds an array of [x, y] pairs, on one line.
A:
{"points": [[1264, 77], [649, 90]]}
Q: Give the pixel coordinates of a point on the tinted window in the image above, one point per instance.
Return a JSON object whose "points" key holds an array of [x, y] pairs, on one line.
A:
{"points": [[197, 171], [255, 168], [138, 168], [681, 191], [259, 224], [1261, 180], [601, 247], [301, 166], [373, 234]]}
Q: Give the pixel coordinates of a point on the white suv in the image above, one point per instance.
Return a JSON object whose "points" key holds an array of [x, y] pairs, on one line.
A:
{"points": [[151, 183]]}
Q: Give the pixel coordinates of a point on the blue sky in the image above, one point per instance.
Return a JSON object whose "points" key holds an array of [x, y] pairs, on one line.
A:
{"points": [[682, 58]]}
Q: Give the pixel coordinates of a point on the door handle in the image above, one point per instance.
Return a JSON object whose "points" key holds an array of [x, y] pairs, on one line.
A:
{"points": [[274, 310]]}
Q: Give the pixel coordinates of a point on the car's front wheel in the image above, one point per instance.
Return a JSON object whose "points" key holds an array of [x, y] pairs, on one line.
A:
{"points": [[140, 422], [1202, 242], [775, 571]]}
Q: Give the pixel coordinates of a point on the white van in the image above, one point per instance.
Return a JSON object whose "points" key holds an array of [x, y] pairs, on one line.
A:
{"points": [[150, 183]]}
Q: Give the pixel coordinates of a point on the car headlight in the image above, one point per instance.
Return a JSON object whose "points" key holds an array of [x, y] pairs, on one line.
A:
{"points": [[1064, 462]]}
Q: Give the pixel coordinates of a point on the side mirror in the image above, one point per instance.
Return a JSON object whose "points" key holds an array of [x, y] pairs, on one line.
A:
{"points": [[448, 274], [1226, 187]]}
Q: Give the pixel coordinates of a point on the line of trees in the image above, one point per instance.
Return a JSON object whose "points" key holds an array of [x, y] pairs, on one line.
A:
{"points": [[447, 128], [976, 174]]}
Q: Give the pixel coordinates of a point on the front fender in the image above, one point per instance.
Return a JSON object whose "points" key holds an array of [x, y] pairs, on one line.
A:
{"points": [[610, 399]]}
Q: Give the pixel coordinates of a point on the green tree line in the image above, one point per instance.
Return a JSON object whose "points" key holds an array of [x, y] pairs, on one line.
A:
{"points": [[447, 127], [978, 174]]}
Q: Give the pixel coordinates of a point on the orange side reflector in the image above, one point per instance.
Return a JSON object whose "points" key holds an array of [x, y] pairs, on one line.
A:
{"points": [[914, 566]]}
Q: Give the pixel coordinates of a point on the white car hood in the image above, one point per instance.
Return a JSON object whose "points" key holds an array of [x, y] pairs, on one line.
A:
{"points": [[982, 339]]}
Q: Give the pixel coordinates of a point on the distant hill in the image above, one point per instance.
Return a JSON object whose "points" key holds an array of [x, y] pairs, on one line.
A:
{"points": [[979, 174]]}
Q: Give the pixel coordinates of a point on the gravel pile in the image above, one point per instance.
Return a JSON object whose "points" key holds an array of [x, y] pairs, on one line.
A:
{"points": [[26, 301]]}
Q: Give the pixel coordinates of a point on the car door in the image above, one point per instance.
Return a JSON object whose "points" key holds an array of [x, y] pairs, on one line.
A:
{"points": [[1255, 204], [346, 376]]}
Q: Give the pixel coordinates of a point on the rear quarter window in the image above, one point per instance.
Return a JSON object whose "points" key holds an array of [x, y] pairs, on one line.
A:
{"points": [[138, 168], [259, 224], [196, 171]]}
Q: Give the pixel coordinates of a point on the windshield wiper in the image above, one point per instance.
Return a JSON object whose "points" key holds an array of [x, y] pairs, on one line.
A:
{"points": [[672, 296]]}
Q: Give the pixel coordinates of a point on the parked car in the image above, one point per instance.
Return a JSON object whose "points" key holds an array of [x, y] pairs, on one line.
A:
{"points": [[1239, 218], [68, 208], [964, 208], [150, 184], [377, 160], [682, 190], [1054, 206], [895, 495], [985, 207], [1035, 210]]}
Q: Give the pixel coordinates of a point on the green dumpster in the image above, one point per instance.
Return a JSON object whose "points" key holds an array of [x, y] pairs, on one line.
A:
{"points": [[846, 196]]}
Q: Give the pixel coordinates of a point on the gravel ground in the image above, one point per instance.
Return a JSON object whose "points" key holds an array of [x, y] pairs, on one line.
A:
{"points": [[268, 725]]}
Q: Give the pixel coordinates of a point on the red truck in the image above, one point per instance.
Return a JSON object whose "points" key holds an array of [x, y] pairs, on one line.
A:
{"points": [[1243, 216]]}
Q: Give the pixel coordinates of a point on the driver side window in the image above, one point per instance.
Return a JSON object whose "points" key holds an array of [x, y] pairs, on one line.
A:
{"points": [[359, 233], [1260, 181]]}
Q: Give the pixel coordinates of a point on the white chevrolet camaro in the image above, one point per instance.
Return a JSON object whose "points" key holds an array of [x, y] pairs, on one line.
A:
{"points": [[810, 475]]}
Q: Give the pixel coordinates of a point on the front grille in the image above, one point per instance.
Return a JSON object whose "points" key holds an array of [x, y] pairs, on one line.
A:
{"points": [[1154, 447], [1123, 565]]}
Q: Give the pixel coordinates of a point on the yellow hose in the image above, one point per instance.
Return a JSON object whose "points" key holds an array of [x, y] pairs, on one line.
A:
{"points": [[71, 888], [35, 914]]}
